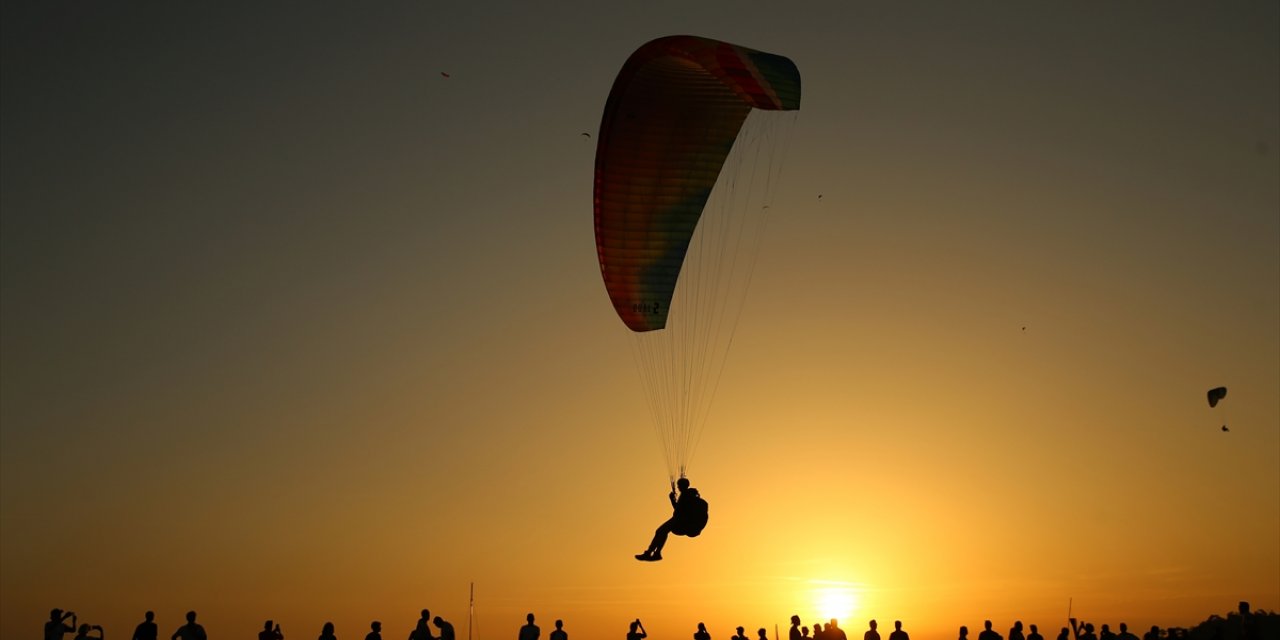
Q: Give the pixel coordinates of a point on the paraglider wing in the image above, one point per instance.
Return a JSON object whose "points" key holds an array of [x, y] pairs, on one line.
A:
{"points": [[671, 119], [1215, 394]]}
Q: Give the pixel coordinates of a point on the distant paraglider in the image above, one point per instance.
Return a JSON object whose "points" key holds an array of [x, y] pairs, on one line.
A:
{"points": [[1215, 395]]}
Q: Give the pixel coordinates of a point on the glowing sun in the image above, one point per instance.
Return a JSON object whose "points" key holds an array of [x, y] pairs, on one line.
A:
{"points": [[834, 602]]}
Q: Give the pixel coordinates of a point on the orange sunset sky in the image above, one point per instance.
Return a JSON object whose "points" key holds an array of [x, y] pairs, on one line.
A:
{"points": [[294, 327]]}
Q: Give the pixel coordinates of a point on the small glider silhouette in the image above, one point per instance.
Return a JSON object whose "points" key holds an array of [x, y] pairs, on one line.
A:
{"points": [[819, 196], [587, 135], [444, 75], [1224, 428]]}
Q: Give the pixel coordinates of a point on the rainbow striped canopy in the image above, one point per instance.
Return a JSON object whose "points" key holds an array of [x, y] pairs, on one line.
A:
{"points": [[671, 119]]}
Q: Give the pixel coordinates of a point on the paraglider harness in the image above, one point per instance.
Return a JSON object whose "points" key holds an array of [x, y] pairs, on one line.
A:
{"points": [[691, 514]]}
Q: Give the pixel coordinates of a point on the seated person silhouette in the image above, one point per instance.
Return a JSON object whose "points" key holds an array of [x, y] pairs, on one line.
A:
{"points": [[689, 516]]}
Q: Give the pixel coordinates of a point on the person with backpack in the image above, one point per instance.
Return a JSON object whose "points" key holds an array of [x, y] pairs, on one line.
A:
{"points": [[688, 518]]}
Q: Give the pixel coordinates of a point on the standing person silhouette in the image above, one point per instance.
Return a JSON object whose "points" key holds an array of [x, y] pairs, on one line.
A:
{"points": [[871, 633], [57, 625], [1124, 632], [326, 632], [701, 633], [637, 631], [190, 630], [834, 632], [818, 633], [559, 633], [898, 633], [741, 635], [1035, 633], [1016, 632], [420, 629], [1087, 628], [764, 635], [146, 630], [688, 517], [964, 633], [988, 633], [375, 631], [529, 631], [268, 633], [794, 633]]}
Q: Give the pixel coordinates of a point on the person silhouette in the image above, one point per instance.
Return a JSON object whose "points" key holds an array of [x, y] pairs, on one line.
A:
{"points": [[268, 633], [375, 631], [83, 633], [1086, 627], [326, 633], [818, 633], [764, 635], [1106, 633], [1065, 634], [964, 633], [988, 633], [1035, 633], [688, 517], [1124, 633], [146, 630], [804, 633], [191, 630], [741, 635], [559, 633], [637, 631], [834, 632], [1153, 634], [898, 633], [871, 633], [1015, 632], [420, 629], [794, 634], [529, 631], [447, 632], [701, 633], [57, 625]]}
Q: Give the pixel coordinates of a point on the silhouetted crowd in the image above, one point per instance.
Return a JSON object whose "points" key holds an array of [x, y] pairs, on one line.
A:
{"points": [[57, 628], [1238, 625]]}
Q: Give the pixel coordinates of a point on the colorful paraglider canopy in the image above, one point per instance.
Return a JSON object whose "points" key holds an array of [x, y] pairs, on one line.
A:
{"points": [[671, 119], [1216, 394]]}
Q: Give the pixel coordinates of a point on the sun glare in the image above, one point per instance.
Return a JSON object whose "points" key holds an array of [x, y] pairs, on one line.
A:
{"points": [[835, 602]]}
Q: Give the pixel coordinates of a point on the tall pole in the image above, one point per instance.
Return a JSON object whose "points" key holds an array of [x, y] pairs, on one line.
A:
{"points": [[471, 609]]}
